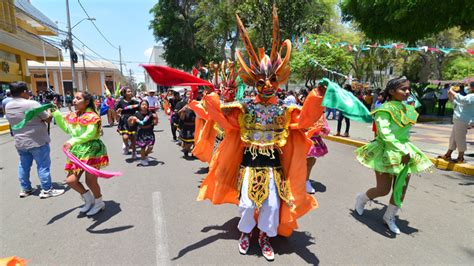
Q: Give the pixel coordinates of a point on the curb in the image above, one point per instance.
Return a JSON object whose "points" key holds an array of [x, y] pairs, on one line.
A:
{"points": [[4, 128], [464, 168]]}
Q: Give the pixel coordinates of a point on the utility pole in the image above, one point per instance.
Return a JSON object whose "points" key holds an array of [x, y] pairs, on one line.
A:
{"points": [[120, 58], [84, 65], [131, 78], [71, 49]]}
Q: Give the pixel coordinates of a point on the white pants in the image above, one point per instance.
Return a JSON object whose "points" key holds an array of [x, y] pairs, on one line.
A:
{"points": [[458, 136], [269, 213]]}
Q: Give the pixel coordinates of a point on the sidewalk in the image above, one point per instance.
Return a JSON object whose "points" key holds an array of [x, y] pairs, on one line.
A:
{"points": [[430, 137]]}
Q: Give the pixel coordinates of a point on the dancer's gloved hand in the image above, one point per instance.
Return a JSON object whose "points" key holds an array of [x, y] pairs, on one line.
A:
{"points": [[67, 145]]}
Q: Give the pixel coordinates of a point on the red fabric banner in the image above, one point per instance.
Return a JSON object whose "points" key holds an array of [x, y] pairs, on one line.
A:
{"points": [[167, 76]]}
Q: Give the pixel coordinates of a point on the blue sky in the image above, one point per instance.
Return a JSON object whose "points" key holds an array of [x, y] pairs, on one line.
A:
{"points": [[124, 23]]}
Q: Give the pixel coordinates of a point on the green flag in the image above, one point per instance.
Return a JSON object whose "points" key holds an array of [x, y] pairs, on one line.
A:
{"points": [[400, 182], [30, 114], [240, 89], [117, 90], [345, 101]]}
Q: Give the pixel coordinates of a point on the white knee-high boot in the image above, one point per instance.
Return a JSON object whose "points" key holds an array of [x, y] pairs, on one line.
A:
{"points": [[361, 200], [99, 205], [389, 218], [88, 201]]}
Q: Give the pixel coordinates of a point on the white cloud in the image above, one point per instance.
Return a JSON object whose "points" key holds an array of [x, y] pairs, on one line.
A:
{"points": [[148, 52]]}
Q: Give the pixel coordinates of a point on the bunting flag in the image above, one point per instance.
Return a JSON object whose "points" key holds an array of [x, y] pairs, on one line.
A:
{"points": [[299, 42], [315, 63], [167, 76], [30, 114], [88, 168], [345, 102]]}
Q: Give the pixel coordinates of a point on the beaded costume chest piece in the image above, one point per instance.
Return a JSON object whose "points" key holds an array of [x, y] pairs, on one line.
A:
{"points": [[263, 127]]}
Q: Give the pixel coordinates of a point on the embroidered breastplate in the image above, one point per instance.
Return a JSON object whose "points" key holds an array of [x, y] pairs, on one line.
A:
{"points": [[263, 127]]}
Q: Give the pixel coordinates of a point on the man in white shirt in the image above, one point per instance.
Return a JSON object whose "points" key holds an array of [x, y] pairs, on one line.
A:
{"points": [[152, 101], [443, 99], [31, 142]]}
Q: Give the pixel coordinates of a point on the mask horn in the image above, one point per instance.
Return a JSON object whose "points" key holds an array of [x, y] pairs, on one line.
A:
{"points": [[248, 45], [276, 35]]}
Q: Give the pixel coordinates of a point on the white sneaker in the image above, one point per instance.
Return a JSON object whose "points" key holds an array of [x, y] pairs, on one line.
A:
{"points": [[51, 193], [309, 188], [99, 205], [389, 218], [88, 201], [361, 200], [26, 193], [144, 162]]}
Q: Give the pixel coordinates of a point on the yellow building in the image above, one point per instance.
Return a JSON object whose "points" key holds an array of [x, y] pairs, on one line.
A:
{"points": [[21, 26], [91, 78]]}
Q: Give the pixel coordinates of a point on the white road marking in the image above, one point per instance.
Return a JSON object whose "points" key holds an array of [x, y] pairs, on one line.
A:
{"points": [[161, 238]]}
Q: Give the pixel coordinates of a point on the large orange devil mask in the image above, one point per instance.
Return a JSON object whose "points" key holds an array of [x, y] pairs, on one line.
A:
{"points": [[264, 72]]}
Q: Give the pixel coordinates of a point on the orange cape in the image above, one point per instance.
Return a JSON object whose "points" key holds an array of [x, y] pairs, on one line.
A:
{"points": [[220, 185], [204, 134]]}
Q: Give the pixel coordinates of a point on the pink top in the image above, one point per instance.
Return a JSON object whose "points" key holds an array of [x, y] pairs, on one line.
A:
{"points": [[110, 102]]}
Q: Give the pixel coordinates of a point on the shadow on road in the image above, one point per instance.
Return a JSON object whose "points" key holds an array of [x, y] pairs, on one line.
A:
{"points": [[297, 244], [318, 186], [373, 219], [227, 231], [61, 215], [202, 170], [112, 208]]}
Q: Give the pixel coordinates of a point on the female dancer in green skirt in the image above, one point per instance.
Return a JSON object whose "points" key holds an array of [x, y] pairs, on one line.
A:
{"points": [[84, 126], [391, 150]]}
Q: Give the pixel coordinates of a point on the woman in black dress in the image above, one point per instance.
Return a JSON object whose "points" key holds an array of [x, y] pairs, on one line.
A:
{"points": [[145, 119], [125, 108]]}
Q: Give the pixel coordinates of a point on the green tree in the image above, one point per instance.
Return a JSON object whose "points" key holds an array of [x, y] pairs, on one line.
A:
{"points": [[216, 25], [408, 20], [458, 68], [335, 58], [173, 25], [296, 18]]}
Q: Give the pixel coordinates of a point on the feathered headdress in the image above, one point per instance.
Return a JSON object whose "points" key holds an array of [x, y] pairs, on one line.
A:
{"points": [[264, 66]]}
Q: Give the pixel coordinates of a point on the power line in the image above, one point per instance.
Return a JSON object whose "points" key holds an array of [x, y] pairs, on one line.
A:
{"points": [[93, 23]]}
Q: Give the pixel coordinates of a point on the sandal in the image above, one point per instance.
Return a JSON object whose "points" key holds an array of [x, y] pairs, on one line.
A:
{"points": [[444, 157], [458, 160]]}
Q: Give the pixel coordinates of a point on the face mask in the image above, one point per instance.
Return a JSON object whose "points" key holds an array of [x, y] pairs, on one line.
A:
{"points": [[466, 90]]}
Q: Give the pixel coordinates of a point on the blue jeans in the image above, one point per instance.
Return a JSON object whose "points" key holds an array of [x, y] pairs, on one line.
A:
{"points": [[43, 166], [329, 111]]}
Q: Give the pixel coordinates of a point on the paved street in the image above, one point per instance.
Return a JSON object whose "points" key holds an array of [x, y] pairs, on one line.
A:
{"points": [[152, 216]]}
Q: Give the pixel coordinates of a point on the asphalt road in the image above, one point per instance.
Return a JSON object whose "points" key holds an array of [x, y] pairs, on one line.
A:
{"points": [[152, 216]]}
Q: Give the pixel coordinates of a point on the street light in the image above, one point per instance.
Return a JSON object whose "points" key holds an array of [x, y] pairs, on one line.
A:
{"points": [[91, 19]]}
